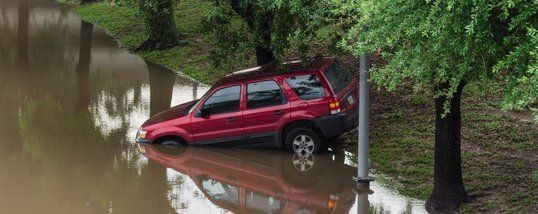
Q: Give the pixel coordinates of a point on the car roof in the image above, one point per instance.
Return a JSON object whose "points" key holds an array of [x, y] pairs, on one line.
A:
{"points": [[273, 69]]}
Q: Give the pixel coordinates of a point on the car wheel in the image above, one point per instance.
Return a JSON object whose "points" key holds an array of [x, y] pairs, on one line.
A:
{"points": [[303, 141], [302, 170], [170, 143]]}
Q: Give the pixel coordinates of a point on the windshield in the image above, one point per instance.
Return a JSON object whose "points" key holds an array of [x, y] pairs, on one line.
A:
{"points": [[191, 107]]}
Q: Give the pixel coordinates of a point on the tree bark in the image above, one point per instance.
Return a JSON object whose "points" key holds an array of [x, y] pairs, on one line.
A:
{"points": [[264, 53], [262, 26], [448, 190]]}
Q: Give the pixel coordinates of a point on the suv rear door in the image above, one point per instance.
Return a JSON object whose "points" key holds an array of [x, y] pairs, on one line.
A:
{"points": [[343, 85], [266, 109]]}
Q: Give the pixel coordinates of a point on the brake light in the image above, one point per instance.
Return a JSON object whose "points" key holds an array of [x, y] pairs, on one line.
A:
{"points": [[334, 106]]}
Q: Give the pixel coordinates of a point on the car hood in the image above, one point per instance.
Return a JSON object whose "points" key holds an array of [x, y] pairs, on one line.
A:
{"points": [[172, 113]]}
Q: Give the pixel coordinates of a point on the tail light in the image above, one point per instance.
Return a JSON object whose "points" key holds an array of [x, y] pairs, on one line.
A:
{"points": [[334, 106], [332, 202]]}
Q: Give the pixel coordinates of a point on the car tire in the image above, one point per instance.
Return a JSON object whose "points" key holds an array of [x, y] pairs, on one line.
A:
{"points": [[303, 140], [302, 171], [170, 143]]}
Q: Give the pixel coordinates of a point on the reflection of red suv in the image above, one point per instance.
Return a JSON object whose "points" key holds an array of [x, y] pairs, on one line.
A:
{"points": [[250, 181], [292, 105]]}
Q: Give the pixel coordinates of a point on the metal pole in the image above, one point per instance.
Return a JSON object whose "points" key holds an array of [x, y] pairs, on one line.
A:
{"points": [[364, 107]]}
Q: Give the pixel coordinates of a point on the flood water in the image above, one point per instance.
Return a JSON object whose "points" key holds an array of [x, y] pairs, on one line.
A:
{"points": [[70, 104]]}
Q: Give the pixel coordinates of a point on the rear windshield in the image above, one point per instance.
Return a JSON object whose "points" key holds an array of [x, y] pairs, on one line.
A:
{"points": [[338, 77]]}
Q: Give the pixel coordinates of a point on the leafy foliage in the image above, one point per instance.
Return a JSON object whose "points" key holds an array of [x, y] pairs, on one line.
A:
{"points": [[436, 42], [159, 24], [237, 27]]}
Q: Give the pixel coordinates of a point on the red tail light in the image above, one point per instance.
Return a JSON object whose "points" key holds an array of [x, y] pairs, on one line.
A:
{"points": [[334, 106]]}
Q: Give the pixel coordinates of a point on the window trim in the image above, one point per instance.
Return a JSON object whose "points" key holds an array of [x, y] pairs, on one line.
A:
{"points": [[201, 104], [265, 80]]}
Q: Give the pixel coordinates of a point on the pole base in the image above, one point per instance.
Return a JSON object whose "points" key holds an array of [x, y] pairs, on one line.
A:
{"points": [[363, 180]]}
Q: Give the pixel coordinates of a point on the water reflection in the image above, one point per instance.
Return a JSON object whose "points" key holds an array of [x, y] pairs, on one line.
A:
{"points": [[70, 101], [260, 181], [22, 34], [83, 67], [209, 179], [161, 83]]}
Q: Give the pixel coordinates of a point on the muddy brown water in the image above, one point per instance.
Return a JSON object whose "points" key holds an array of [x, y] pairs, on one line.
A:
{"points": [[70, 104]]}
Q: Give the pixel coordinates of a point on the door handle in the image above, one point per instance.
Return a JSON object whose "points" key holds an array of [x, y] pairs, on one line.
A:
{"points": [[231, 119], [279, 112]]}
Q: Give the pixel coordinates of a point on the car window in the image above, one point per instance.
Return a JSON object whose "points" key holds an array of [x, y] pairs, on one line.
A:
{"points": [[263, 94], [261, 203], [338, 77], [224, 100], [307, 87], [223, 194]]}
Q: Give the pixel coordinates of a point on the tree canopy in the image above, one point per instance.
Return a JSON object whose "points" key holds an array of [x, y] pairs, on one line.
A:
{"points": [[443, 46], [434, 42]]}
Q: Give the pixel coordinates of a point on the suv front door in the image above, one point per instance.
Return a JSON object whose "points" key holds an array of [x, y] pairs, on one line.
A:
{"points": [[220, 121]]}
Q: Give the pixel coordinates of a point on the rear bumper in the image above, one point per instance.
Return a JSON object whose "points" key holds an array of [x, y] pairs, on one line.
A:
{"points": [[334, 125]]}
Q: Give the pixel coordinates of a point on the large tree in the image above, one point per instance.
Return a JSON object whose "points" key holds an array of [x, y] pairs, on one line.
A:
{"points": [[159, 24], [266, 28], [443, 46]]}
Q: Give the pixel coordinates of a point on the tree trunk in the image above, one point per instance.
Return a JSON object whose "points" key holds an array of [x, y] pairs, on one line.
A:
{"points": [[159, 24], [264, 53], [259, 25], [448, 190]]}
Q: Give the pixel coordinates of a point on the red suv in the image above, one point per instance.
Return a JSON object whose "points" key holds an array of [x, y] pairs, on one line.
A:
{"points": [[291, 105]]}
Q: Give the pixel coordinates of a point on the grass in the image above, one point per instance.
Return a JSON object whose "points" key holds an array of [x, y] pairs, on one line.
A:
{"points": [[124, 24]]}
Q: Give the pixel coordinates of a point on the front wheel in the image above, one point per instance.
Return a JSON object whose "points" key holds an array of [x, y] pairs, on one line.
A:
{"points": [[170, 143], [303, 141]]}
